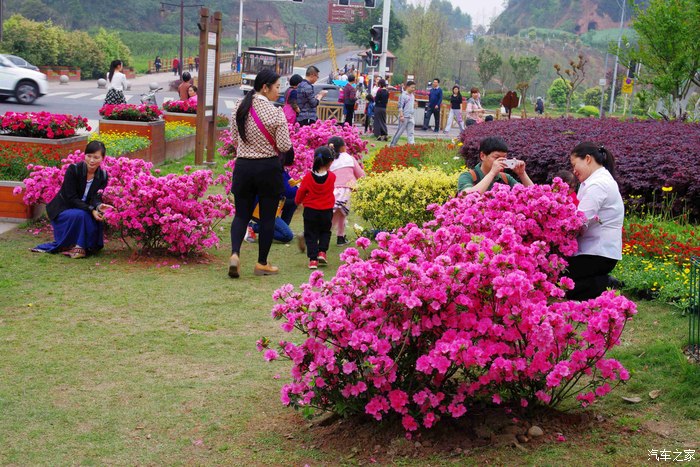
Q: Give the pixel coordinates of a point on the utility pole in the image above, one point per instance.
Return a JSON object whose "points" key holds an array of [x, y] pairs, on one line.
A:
{"points": [[386, 15], [617, 57], [182, 25], [2, 18], [294, 41], [256, 32], [240, 33], [315, 45]]}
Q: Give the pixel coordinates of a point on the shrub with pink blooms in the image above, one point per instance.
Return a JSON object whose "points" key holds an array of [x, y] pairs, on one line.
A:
{"points": [[468, 308], [187, 106], [130, 112], [42, 125], [305, 140], [171, 213]]}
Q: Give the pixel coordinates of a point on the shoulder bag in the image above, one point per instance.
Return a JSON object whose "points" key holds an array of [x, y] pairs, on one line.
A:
{"points": [[287, 157]]}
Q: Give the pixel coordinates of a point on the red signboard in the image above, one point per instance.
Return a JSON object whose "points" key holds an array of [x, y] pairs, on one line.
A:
{"points": [[338, 14]]}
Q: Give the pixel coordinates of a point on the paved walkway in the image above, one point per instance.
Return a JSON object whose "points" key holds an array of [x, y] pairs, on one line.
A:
{"points": [[7, 226]]}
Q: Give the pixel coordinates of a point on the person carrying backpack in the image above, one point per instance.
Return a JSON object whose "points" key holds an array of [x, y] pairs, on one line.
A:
{"points": [[493, 153]]}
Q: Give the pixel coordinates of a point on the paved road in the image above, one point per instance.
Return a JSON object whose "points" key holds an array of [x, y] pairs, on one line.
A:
{"points": [[85, 99]]}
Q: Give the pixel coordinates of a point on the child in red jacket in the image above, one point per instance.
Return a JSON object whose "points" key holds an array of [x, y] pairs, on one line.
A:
{"points": [[316, 194]]}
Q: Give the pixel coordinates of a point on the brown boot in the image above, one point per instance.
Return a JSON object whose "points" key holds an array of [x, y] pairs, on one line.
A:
{"points": [[234, 266], [265, 270]]}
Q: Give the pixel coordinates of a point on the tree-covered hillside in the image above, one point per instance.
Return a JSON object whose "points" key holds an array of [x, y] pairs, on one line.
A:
{"points": [[576, 16]]}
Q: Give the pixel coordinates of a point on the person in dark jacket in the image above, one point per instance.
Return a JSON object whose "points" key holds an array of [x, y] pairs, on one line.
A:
{"points": [[306, 100], [433, 106], [77, 211], [380, 103], [349, 99]]}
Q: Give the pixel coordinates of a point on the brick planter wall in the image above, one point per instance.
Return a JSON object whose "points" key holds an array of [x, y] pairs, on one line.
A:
{"points": [[179, 147], [64, 146], [12, 207], [154, 131]]}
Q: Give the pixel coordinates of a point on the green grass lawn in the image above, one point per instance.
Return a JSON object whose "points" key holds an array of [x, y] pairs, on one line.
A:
{"points": [[107, 360], [117, 360]]}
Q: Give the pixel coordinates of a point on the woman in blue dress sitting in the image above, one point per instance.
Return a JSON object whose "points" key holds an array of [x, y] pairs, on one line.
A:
{"points": [[77, 211]]}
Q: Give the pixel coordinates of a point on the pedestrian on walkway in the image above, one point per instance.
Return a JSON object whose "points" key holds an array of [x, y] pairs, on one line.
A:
{"points": [[407, 113], [190, 64], [196, 64], [380, 103], [176, 67], [433, 106], [157, 63], [261, 133], [117, 84], [455, 110], [369, 111], [349, 99], [306, 100]]}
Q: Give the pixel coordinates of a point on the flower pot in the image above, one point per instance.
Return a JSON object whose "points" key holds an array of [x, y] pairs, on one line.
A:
{"points": [[12, 207], [179, 147], [180, 117], [154, 131], [65, 145]]}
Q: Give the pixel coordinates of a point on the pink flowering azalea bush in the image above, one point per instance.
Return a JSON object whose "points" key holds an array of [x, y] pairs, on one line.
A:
{"points": [[130, 112], [305, 140], [171, 213], [470, 307], [42, 125]]}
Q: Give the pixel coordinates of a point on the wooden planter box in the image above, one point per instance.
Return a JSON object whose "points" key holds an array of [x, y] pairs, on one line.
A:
{"points": [[179, 147], [154, 131], [12, 207], [180, 117], [144, 154], [63, 146]]}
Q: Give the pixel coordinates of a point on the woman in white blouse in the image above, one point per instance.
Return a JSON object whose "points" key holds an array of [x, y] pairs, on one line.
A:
{"points": [[117, 84], [600, 241]]}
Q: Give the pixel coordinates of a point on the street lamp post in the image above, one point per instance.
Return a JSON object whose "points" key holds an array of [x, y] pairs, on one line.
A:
{"points": [[617, 57], [182, 25]]}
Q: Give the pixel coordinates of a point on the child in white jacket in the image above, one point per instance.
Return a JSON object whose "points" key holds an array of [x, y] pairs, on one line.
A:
{"points": [[347, 171]]}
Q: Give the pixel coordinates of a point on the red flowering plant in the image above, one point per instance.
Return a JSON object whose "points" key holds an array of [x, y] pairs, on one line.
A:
{"points": [[130, 112], [649, 154], [468, 308], [42, 125], [440, 154], [173, 213], [14, 162], [185, 107]]}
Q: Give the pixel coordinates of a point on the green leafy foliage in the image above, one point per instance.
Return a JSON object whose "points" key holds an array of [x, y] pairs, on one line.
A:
{"points": [[38, 43], [489, 62], [557, 92], [358, 31], [588, 111]]}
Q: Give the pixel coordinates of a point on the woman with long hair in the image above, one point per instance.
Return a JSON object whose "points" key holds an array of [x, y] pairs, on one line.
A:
{"points": [[600, 241], [380, 102], [77, 211], [117, 83], [455, 110], [260, 133]]}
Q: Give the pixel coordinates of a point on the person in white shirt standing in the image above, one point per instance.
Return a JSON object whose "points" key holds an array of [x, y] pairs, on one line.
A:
{"points": [[407, 113], [117, 83], [600, 240]]}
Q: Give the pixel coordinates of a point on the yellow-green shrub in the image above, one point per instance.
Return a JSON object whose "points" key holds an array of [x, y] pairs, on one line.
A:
{"points": [[118, 143], [393, 199]]}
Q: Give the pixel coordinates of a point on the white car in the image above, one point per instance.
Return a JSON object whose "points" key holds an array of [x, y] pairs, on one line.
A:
{"points": [[21, 83]]}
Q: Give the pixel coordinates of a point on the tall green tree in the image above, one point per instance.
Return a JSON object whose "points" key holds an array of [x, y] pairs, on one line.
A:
{"points": [[489, 63], [572, 76], [358, 32], [38, 43], [524, 69], [423, 50], [669, 48]]}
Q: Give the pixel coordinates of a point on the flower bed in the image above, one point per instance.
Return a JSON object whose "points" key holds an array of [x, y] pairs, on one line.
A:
{"points": [[440, 155], [171, 213], [118, 143], [178, 129], [466, 310], [12, 206], [649, 154], [42, 125], [130, 112], [392, 199], [153, 131], [656, 262], [182, 107]]}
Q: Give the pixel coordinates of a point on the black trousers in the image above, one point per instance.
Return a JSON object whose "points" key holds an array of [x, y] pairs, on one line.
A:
{"points": [[591, 275], [317, 231], [349, 113], [306, 122], [256, 180]]}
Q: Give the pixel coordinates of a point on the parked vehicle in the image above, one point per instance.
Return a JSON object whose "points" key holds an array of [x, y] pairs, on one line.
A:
{"points": [[333, 92], [256, 59], [22, 63], [23, 84]]}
